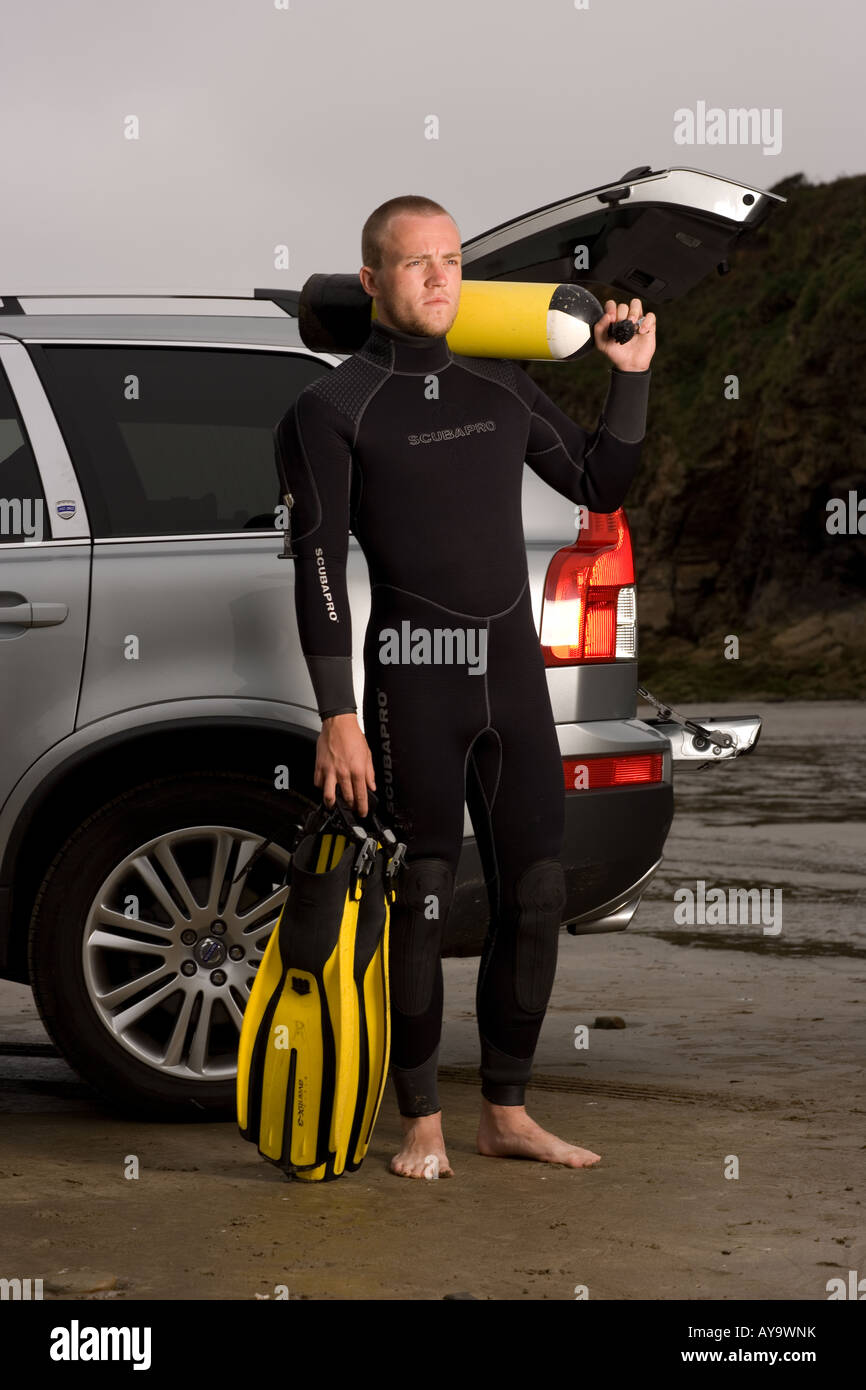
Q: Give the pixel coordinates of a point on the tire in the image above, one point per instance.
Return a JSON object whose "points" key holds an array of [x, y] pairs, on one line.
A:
{"points": [[165, 1049]]}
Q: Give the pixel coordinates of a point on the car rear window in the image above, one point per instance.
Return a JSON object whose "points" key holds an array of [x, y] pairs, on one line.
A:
{"points": [[174, 440]]}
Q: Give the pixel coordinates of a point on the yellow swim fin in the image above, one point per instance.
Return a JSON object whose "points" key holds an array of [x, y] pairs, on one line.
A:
{"points": [[313, 1055]]}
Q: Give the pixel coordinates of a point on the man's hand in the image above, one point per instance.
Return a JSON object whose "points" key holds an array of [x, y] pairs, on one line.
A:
{"points": [[343, 755], [636, 355]]}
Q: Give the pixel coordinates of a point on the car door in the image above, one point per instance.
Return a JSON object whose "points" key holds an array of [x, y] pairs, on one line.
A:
{"points": [[173, 443], [44, 572]]}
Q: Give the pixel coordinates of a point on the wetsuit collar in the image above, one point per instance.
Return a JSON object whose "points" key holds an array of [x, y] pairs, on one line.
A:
{"points": [[408, 352]]}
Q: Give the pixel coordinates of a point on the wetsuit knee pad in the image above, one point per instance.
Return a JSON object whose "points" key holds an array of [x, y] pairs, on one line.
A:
{"points": [[540, 894], [418, 914]]}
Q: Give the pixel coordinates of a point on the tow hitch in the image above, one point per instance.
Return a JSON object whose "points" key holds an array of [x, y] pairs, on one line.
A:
{"points": [[703, 740]]}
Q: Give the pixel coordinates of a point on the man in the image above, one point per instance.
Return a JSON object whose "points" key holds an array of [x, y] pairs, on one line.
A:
{"points": [[420, 453]]}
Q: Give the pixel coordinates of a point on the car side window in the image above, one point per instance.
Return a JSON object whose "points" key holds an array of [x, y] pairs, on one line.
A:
{"points": [[174, 440], [23, 514]]}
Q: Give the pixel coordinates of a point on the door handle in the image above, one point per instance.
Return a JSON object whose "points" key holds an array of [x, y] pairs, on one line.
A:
{"points": [[34, 614]]}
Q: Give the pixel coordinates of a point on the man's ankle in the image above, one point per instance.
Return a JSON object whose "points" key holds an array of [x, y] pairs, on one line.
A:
{"points": [[419, 1119]]}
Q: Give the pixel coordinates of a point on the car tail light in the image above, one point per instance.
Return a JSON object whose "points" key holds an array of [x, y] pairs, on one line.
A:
{"points": [[624, 770], [589, 610]]}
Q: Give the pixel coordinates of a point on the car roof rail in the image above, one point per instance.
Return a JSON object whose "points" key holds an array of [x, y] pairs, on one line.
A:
{"points": [[287, 300]]}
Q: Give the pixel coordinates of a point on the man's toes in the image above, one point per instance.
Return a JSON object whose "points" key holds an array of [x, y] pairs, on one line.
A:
{"points": [[586, 1160]]}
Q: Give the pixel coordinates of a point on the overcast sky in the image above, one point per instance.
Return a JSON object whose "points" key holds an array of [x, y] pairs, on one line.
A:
{"points": [[262, 125]]}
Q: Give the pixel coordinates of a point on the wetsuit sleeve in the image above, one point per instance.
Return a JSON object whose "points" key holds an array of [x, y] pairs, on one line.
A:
{"points": [[592, 469], [313, 451]]}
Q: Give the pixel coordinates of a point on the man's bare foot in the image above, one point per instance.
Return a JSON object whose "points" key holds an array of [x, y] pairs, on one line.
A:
{"points": [[423, 1153], [506, 1131]]}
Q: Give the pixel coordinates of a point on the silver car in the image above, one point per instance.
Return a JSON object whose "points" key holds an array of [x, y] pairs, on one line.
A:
{"points": [[158, 721]]}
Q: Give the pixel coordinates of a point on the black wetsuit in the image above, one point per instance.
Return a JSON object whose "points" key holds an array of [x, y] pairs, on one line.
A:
{"points": [[420, 453]]}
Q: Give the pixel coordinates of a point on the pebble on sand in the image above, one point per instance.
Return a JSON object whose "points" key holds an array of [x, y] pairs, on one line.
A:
{"points": [[82, 1280]]}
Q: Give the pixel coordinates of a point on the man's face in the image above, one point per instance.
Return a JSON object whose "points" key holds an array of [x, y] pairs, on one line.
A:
{"points": [[418, 287]]}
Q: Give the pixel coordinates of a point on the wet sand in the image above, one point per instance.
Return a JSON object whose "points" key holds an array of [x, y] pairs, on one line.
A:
{"points": [[743, 1048]]}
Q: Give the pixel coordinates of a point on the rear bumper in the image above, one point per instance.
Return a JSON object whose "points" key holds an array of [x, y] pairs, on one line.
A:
{"points": [[614, 837], [613, 845], [617, 912]]}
